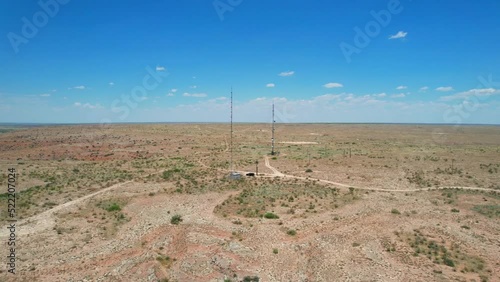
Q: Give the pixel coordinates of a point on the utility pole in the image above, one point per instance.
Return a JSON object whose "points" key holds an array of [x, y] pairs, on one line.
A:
{"points": [[272, 138]]}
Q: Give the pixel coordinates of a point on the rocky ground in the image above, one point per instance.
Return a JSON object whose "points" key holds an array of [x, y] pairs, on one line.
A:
{"points": [[124, 231]]}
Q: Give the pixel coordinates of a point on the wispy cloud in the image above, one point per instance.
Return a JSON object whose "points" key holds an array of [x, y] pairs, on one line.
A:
{"points": [[484, 92], [287, 73], [217, 99], [423, 89], [333, 85], [87, 106], [401, 87], [45, 95], [193, 86], [160, 68], [170, 95], [173, 90], [380, 95], [80, 87], [400, 34], [197, 95], [444, 88], [400, 95], [270, 85], [111, 84]]}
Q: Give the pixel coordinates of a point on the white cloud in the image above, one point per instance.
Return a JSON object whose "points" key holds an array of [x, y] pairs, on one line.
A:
{"points": [[400, 34], [270, 85], [80, 87], [444, 88], [170, 94], [400, 95], [197, 95], [173, 90], [401, 87], [218, 99], [380, 95], [193, 86], [484, 92], [333, 85], [424, 89], [160, 68], [87, 106], [111, 84], [45, 95], [287, 73], [328, 97]]}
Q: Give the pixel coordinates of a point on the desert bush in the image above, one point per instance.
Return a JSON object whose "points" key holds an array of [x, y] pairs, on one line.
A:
{"points": [[176, 219], [114, 207], [395, 211], [270, 215]]}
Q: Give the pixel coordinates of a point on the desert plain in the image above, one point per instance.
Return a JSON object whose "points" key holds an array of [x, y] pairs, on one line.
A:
{"points": [[337, 202]]}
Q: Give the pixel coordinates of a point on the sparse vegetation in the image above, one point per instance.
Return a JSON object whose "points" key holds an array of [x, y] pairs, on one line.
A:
{"points": [[270, 215], [444, 253], [176, 219], [491, 211], [395, 211]]}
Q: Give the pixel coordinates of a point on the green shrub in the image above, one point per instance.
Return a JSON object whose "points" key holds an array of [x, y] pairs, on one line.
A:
{"points": [[270, 215], [114, 207], [454, 210], [309, 170], [448, 262], [176, 219], [251, 279], [291, 232], [395, 211], [275, 251]]}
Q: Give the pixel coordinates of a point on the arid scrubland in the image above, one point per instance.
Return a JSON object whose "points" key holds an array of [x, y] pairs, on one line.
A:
{"points": [[152, 202]]}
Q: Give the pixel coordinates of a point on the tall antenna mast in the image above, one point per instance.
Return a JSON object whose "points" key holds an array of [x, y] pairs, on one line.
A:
{"points": [[272, 138], [232, 175], [231, 144]]}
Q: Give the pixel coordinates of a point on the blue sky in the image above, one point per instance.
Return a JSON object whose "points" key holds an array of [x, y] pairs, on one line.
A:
{"points": [[66, 61]]}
